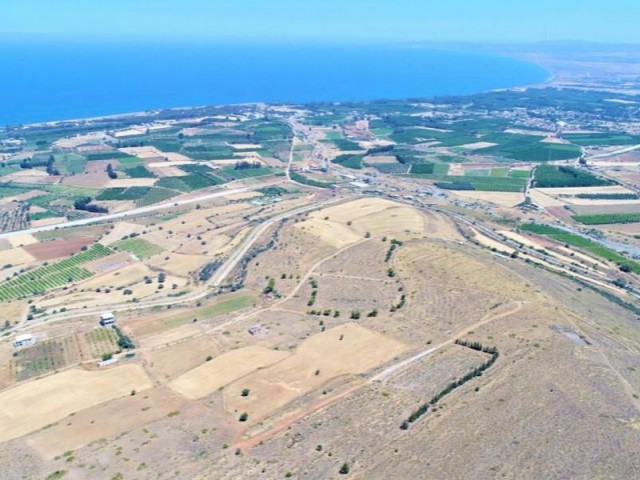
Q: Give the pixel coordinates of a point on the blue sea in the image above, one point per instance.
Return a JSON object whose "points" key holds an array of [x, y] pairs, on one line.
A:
{"points": [[46, 81]]}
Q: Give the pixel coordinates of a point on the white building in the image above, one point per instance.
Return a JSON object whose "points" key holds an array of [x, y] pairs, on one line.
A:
{"points": [[107, 319], [25, 340]]}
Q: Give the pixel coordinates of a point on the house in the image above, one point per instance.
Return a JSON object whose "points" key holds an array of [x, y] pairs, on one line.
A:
{"points": [[25, 340], [256, 329], [107, 319]]}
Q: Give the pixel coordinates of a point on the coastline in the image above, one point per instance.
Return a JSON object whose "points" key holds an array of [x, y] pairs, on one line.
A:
{"points": [[468, 74]]}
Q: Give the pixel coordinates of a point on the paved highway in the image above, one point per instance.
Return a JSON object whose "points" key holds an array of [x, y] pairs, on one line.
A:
{"points": [[128, 213]]}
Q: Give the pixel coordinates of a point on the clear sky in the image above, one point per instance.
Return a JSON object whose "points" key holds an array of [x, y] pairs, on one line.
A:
{"points": [[429, 20]]}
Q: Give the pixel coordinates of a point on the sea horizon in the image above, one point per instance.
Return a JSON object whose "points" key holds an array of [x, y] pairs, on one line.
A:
{"points": [[65, 81]]}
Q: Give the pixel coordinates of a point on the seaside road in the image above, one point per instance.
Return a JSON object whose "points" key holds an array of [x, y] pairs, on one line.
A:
{"points": [[128, 213]]}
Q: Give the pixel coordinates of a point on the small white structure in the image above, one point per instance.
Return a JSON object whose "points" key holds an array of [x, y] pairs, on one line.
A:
{"points": [[25, 340], [106, 363], [107, 319]]}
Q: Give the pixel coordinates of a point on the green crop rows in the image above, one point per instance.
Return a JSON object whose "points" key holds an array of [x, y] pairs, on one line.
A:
{"points": [[52, 276], [139, 171], [350, 161], [189, 183], [608, 196], [296, 177], [231, 171], [608, 218], [131, 193], [139, 247], [581, 242], [482, 184], [549, 176], [114, 155], [156, 195], [602, 139]]}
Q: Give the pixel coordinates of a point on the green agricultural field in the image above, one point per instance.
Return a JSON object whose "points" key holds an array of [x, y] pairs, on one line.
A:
{"points": [[296, 177], [49, 277], [441, 168], [578, 241], [383, 132], [520, 173], [130, 161], [608, 196], [139, 247], [123, 194], [189, 183], [334, 135], [139, 171], [44, 357], [197, 168], [346, 145], [166, 145], [34, 217], [550, 176], [528, 148], [425, 168], [156, 195], [102, 341], [391, 168], [350, 161], [607, 219], [67, 191], [8, 170], [207, 312], [479, 172], [265, 131], [602, 139], [484, 184], [10, 190], [70, 163], [198, 181], [208, 151], [499, 172], [489, 187], [231, 171], [114, 155], [42, 199]]}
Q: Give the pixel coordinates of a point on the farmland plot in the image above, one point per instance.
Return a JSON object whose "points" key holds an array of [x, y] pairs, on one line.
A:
{"points": [[139, 247], [53, 276]]}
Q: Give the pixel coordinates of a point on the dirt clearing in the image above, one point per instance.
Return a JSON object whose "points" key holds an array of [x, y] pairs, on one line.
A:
{"points": [[169, 362], [15, 256], [22, 240], [33, 405], [504, 199], [57, 248], [131, 182], [346, 350], [105, 421], [221, 371]]}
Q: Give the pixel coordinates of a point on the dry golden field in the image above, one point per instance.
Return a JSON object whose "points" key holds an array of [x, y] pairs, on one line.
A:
{"points": [[41, 402]]}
